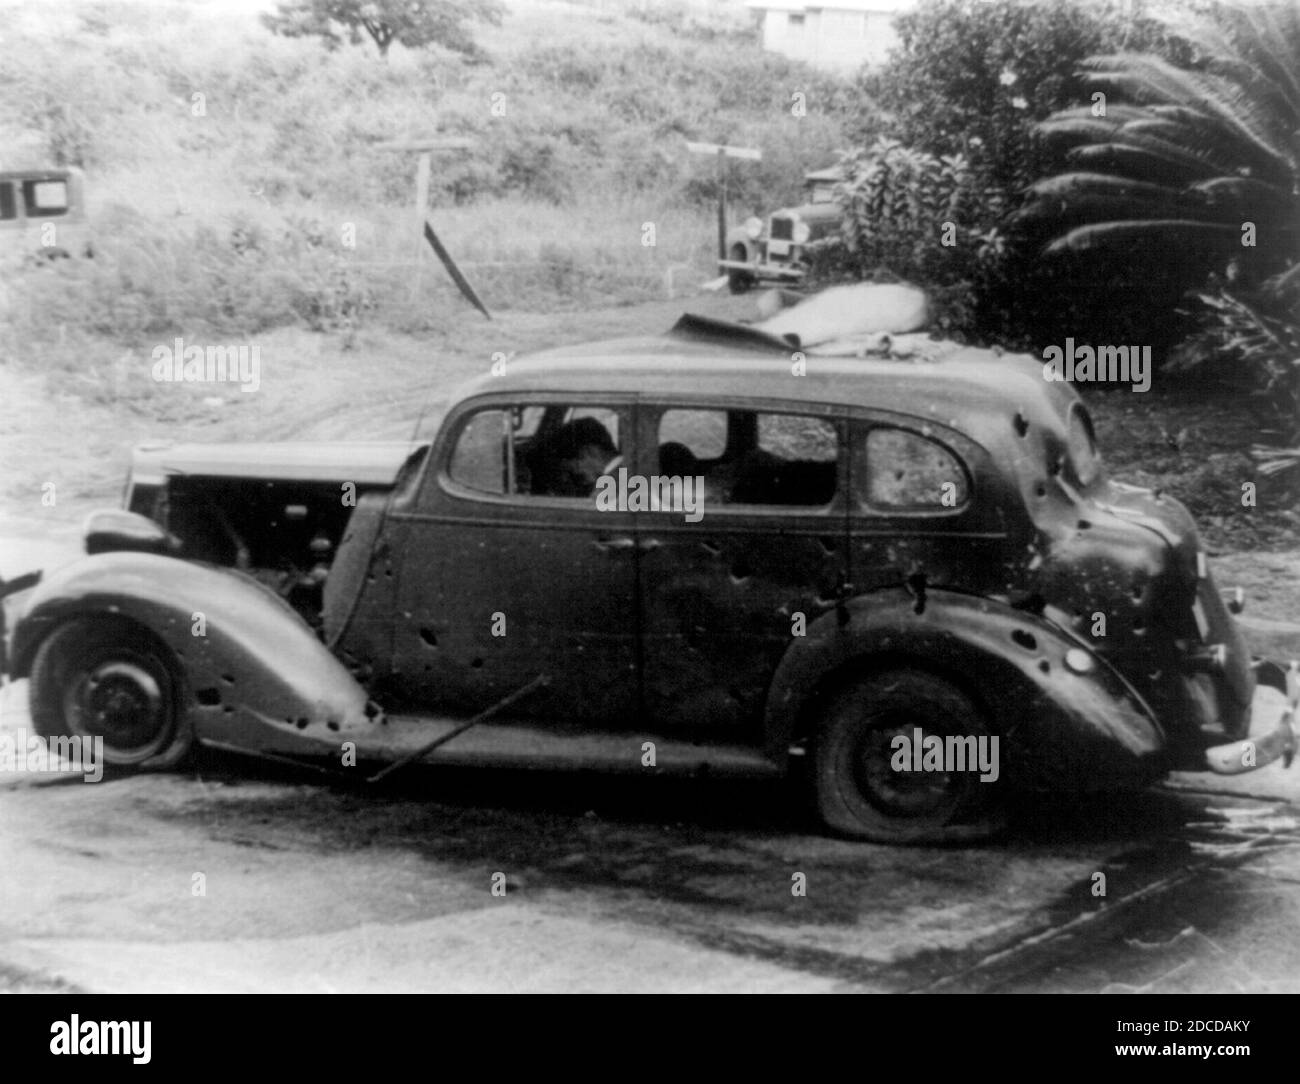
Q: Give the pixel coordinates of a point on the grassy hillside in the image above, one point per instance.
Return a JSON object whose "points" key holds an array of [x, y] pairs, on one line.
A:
{"points": [[235, 183]]}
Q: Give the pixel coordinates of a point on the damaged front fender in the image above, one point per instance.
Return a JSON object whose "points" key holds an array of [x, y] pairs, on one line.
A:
{"points": [[256, 675]]}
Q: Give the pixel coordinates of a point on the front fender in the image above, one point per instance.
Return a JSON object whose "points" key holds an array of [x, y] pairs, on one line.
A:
{"points": [[1059, 728], [257, 675], [737, 236]]}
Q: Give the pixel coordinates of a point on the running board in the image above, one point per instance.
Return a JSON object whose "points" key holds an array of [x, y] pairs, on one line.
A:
{"points": [[516, 745]]}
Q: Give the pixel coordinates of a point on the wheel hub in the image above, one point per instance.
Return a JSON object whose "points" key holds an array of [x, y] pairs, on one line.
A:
{"points": [[122, 702]]}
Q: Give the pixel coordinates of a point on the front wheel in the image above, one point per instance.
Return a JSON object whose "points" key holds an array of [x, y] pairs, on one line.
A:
{"points": [[871, 785], [108, 678]]}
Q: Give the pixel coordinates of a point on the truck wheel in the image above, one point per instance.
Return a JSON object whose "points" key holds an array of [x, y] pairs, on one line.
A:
{"points": [[859, 792], [107, 677]]}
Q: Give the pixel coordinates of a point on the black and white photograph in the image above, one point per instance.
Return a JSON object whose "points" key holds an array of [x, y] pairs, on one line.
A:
{"points": [[650, 497]]}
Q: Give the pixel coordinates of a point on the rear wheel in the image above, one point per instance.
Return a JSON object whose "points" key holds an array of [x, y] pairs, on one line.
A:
{"points": [[109, 678], [867, 790]]}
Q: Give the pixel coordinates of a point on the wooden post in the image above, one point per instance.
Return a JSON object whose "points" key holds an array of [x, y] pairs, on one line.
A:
{"points": [[723, 152], [422, 170]]}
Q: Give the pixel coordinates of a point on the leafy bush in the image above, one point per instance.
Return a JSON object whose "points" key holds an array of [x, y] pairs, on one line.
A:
{"points": [[1253, 336], [974, 80], [914, 216]]}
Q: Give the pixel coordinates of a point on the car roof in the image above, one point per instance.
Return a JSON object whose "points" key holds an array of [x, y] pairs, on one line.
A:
{"points": [[973, 390]]}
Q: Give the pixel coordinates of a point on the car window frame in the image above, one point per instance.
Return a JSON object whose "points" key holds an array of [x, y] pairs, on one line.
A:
{"points": [[838, 415], [862, 505], [437, 474]]}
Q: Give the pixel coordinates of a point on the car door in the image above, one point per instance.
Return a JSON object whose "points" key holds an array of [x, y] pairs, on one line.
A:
{"points": [[507, 569], [925, 509], [725, 591]]}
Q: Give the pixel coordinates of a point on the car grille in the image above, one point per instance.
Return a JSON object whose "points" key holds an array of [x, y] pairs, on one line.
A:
{"points": [[781, 229]]}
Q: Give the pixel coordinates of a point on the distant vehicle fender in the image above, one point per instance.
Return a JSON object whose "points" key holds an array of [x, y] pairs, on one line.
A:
{"points": [[256, 674], [737, 236], [1064, 725]]}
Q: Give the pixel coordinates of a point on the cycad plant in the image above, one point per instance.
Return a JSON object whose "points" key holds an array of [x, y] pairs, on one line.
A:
{"points": [[1198, 167]]}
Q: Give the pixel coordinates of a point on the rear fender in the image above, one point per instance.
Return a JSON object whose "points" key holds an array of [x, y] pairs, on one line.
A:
{"points": [[256, 673], [1059, 728]]}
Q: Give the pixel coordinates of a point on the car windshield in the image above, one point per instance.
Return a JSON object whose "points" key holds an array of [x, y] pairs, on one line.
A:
{"points": [[1084, 457]]}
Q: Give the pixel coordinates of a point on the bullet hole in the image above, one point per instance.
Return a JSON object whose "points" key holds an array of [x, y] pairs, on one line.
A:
{"points": [[916, 588], [372, 709], [1139, 627], [428, 636], [827, 544], [1022, 424], [209, 698], [1137, 592], [229, 679], [1056, 467], [1041, 490], [301, 724], [740, 572], [1084, 525], [1044, 666], [332, 725], [711, 548], [228, 710], [477, 664], [1024, 639]]}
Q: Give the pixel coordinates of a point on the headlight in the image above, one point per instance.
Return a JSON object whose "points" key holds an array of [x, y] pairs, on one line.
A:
{"points": [[753, 228], [802, 231]]}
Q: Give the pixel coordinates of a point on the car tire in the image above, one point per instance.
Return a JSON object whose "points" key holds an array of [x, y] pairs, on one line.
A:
{"points": [[108, 677], [859, 794]]}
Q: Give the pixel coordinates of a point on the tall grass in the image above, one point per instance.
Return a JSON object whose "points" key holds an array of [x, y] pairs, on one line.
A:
{"points": [[228, 171]]}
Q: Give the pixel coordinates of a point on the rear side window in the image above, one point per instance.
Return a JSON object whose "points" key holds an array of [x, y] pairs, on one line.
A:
{"points": [[8, 207], [911, 472]]}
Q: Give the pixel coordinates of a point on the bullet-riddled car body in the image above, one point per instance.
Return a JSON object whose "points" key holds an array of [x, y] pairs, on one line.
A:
{"points": [[702, 552]]}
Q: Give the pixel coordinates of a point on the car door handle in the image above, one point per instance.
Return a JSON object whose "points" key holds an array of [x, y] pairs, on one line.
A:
{"points": [[610, 545]]}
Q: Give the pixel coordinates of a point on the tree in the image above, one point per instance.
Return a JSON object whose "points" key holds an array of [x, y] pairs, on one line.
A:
{"points": [[415, 23], [1200, 162], [1197, 166]]}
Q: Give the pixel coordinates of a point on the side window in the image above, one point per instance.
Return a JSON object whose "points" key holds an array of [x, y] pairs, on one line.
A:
{"points": [[44, 199], [703, 433], [479, 459], [908, 471], [745, 457], [8, 208], [536, 450]]}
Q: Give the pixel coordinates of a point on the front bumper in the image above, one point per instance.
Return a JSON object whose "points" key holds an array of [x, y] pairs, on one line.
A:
{"points": [[1272, 736], [778, 271]]}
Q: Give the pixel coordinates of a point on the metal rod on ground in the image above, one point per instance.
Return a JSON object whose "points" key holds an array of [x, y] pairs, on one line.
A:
{"points": [[483, 716]]}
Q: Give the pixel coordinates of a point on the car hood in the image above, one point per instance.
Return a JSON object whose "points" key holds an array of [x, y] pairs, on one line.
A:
{"points": [[362, 462]]}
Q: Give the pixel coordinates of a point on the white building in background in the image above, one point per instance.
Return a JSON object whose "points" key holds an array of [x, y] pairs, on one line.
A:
{"points": [[837, 34]]}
